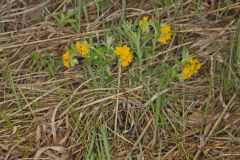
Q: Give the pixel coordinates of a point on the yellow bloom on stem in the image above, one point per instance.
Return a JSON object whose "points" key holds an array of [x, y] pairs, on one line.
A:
{"points": [[124, 55], [186, 72], [143, 24], [165, 34], [162, 40], [82, 48], [165, 29], [66, 57], [191, 68], [195, 65]]}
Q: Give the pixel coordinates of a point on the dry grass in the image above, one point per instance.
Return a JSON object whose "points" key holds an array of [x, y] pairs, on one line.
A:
{"points": [[50, 112]]}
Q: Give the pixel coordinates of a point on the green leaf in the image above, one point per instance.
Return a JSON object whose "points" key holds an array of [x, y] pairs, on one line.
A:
{"points": [[69, 14], [73, 62]]}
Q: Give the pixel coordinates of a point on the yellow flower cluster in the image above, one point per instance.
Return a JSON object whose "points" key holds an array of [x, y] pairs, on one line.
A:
{"points": [[191, 68], [143, 24], [124, 54], [165, 30], [82, 48], [66, 57], [165, 34]]}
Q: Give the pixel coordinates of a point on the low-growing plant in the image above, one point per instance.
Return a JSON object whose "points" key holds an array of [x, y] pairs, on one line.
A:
{"points": [[137, 41]]}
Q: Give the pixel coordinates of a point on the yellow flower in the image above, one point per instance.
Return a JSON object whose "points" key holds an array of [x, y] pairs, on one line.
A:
{"points": [[164, 38], [186, 72], [195, 65], [82, 48], [124, 55], [165, 29], [66, 57], [192, 68], [165, 34], [143, 24]]}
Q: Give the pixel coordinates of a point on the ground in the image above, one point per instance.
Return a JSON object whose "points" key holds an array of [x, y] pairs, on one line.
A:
{"points": [[98, 109]]}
